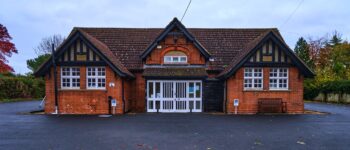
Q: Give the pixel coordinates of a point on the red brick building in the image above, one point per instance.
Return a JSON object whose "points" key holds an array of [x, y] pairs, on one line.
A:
{"points": [[174, 69]]}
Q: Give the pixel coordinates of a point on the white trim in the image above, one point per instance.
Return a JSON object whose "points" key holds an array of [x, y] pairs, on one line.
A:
{"points": [[70, 77], [277, 78], [253, 78], [96, 77]]}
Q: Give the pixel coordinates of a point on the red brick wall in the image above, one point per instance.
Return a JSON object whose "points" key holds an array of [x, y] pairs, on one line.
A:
{"points": [[193, 54], [248, 100], [85, 101], [138, 102]]}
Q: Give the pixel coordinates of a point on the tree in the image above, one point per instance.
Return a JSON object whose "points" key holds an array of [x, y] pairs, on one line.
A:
{"points": [[7, 48], [336, 39], [34, 64], [340, 60], [45, 46], [44, 50], [302, 50], [319, 51]]}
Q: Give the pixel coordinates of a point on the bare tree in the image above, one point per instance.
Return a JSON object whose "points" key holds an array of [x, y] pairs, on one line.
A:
{"points": [[45, 46]]}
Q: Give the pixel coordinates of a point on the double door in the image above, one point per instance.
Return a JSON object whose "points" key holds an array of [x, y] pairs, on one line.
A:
{"points": [[174, 96]]}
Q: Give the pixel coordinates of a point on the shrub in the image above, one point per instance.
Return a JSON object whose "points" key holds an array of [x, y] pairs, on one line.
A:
{"points": [[312, 88], [21, 87]]}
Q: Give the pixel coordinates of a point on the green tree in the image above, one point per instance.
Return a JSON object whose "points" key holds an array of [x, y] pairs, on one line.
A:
{"points": [[336, 39], [34, 64], [340, 58], [302, 50]]}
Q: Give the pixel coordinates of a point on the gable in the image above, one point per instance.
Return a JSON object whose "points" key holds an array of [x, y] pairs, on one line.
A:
{"points": [[175, 44], [269, 54], [79, 52], [175, 29], [82, 49], [268, 50]]}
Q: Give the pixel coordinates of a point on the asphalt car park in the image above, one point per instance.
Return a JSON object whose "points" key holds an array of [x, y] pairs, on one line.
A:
{"points": [[21, 130]]}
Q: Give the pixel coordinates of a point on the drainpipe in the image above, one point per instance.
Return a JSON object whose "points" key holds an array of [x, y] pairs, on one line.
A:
{"points": [[225, 96], [55, 78], [123, 97]]}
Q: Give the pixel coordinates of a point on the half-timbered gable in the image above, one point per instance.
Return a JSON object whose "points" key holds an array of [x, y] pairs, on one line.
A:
{"points": [[79, 52]]}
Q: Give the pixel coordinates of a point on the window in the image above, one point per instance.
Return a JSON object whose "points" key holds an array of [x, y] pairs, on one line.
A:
{"points": [[70, 78], [253, 78], [96, 78], [175, 59], [279, 78]]}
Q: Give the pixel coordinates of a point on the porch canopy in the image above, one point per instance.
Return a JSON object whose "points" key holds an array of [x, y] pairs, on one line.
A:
{"points": [[175, 73]]}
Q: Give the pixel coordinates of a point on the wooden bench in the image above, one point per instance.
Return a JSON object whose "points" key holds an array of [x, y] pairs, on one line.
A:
{"points": [[271, 105]]}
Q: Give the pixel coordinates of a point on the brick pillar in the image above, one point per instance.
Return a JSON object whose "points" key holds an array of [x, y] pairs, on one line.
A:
{"points": [[82, 77], [266, 76]]}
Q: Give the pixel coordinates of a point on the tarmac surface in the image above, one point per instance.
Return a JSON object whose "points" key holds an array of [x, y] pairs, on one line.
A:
{"points": [[19, 130]]}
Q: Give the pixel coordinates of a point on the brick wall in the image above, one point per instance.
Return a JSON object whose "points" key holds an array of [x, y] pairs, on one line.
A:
{"points": [[138, 102], [83, 100], [248, 100], [193, 54]]}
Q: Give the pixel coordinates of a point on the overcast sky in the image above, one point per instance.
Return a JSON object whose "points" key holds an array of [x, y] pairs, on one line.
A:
{"points": [[29, 21]]}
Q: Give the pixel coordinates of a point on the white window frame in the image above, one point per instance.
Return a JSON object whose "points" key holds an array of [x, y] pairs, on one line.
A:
{"points": [[278, 78], [172, 59], [70, 77], [96, 77], [252, 78]]}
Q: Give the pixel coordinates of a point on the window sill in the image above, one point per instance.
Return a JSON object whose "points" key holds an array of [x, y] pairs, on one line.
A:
{"points": [[280, 90], [82, 90], [175, 64], [270, 90], [253, 90]]}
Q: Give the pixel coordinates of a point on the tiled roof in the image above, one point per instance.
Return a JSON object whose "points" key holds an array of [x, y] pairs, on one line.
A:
{"points": [[106, 52], [128, 43], [175, 72]]}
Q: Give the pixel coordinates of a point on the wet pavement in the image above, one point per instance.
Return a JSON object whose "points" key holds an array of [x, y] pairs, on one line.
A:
{"points": [[174, 131]]}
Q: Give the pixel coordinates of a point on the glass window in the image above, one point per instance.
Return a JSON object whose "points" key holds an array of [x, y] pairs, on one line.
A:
{"points": [[191, 90], [198, 90], [253, 78], [96, 78], [70, 77], [150, 89], [279, 78], [175, 57]]}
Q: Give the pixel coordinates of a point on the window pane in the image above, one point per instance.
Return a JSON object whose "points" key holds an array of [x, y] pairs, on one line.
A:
{"points": [[198, 105], [167, 59], [183, 59], [150, 89], [157, 90], [175, 59], [150, 104], [198, 90]]}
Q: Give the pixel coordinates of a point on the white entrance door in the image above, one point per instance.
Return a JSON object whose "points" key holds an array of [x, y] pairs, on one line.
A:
{"points": [[174, 96]]}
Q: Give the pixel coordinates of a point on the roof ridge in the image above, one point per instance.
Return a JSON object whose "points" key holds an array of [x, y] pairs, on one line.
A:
{"points": [[191, 28]]}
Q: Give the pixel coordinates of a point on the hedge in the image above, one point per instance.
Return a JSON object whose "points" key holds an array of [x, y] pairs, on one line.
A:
{"points": [[21, 87], [312, 89]]}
